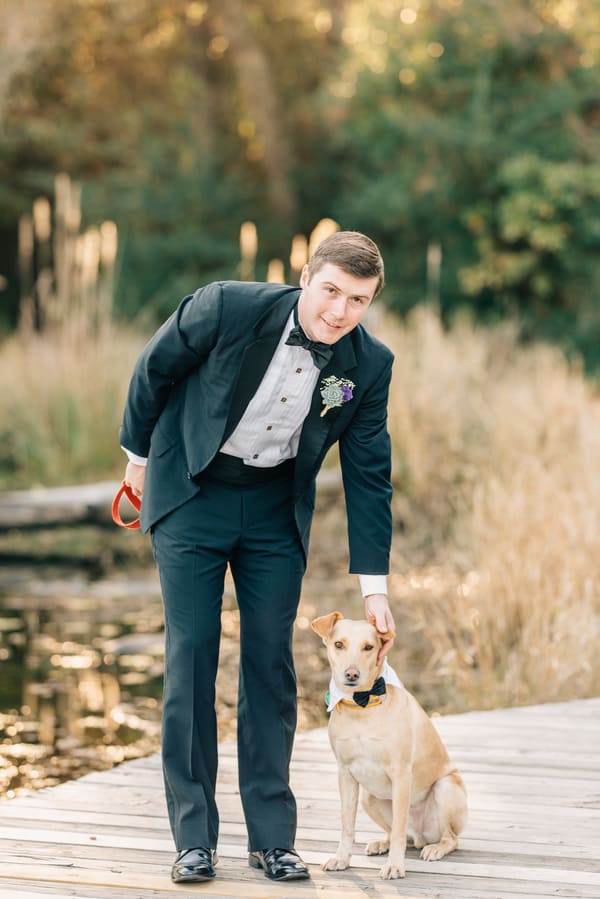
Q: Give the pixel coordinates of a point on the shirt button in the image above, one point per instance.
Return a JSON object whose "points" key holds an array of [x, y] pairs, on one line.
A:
{"points": [[269, 427], [284, 399], [255, 456], [298, 370]]}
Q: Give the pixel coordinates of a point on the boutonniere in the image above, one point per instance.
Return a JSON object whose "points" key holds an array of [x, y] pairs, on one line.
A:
{"points": [[335, 392]]}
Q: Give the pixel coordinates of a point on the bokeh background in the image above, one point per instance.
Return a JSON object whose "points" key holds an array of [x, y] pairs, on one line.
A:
{"points": [[149, 146]]}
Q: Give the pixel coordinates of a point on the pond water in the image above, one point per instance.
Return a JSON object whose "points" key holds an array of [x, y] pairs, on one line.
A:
{"points": [[81, 649], [81, 664]]}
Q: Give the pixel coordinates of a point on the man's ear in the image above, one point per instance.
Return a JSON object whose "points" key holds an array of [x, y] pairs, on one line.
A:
{"points": [[324, 625]]}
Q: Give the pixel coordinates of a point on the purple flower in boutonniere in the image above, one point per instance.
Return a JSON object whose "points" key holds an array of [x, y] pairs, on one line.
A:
{"points": [[335, 392]]}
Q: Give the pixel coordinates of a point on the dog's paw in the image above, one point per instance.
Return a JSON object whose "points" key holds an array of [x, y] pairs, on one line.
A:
{"points": [[391, 872], [378, 847], [434, 851], [336, 864]]}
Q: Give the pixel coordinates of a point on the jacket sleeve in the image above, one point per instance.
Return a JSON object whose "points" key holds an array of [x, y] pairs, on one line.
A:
{"points": [[365, 456], [179, 346]]}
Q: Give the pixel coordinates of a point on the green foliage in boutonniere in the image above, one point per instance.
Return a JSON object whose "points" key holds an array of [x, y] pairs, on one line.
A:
{"points": [[335, 392]]}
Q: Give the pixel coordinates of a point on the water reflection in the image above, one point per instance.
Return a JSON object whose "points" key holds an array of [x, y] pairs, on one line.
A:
{"points": [[81, 668]]}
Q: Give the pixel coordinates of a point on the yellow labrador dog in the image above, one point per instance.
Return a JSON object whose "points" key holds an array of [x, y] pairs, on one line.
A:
{"points": [[385, 743]]}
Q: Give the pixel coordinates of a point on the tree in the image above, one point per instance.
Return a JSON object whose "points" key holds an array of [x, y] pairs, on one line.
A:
{"points": [[477, 132]]}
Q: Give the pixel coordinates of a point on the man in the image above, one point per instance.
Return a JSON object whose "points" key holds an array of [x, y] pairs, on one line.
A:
{"points": [[235, 402]]}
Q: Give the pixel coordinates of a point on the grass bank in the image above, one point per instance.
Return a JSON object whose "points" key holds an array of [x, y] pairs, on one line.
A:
{"points": [[61, 403], [496, 569]]}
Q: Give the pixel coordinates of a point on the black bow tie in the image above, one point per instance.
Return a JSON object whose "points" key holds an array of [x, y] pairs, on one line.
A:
{"points": [[320, 352], [361, 697]]}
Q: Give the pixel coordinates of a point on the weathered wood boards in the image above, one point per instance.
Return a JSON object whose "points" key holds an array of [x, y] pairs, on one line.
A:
{"points": [[533, 777]]}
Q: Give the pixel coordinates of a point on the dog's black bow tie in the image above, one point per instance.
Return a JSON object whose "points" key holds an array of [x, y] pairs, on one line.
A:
{"points": [[320, 352], [361, 697]]}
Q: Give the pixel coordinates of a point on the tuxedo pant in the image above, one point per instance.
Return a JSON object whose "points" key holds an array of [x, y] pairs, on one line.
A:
{"points": [[254, 531]]}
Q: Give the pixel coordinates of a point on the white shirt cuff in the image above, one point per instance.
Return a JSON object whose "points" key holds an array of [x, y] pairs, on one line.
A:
{"points": [[137, 460], [373, 583]]}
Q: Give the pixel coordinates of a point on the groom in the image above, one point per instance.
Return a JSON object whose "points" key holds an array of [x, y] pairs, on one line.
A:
{"points": [[233, 405]]}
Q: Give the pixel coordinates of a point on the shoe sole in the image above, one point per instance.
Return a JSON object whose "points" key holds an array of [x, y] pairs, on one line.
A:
{"points": [[191, 878]]}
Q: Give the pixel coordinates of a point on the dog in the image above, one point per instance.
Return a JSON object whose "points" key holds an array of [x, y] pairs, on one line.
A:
{"points": [[388, 746]]}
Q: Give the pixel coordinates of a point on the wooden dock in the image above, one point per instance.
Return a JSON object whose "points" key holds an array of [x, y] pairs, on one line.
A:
{"points": [[532, 774]]}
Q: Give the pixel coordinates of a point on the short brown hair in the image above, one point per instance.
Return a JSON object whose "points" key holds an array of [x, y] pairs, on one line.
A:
{"points": [[353, 252]]}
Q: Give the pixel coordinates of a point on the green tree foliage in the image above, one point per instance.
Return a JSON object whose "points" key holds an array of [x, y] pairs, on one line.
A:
{"points": [[475, 126], [179, 118], [468, 125]]}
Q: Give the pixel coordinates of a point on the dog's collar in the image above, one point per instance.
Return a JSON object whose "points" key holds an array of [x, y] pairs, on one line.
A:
{"points": [[335, 697], [373, 700]]}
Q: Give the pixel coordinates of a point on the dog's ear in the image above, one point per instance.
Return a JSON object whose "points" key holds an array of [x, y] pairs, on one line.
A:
{"points": [[382, 635], [388, 635], [324, 625]]}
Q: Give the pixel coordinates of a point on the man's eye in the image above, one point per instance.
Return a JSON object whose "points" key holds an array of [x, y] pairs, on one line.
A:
{"points": [[338, 644]]}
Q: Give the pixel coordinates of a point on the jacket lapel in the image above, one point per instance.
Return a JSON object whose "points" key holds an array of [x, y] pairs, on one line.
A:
{"points": [[317, 427], [257, 356]]}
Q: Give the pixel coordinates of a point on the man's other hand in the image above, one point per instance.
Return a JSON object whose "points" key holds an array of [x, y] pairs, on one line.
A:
{"points": [[134, 478], [378, 612]]}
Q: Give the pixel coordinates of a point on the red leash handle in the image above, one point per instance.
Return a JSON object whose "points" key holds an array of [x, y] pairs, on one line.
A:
{"points": [[135, 501]]}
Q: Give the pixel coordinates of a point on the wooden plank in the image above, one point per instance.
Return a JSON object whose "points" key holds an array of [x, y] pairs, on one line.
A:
{"points": [[237, 851], [350, 886], [483, 821], [77, 871], [481, 845], [230, 806], [534, 826], [498, 784]]}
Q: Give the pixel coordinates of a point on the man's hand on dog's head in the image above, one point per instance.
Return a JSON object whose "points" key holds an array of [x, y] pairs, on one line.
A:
{"points": [[378, 612]]}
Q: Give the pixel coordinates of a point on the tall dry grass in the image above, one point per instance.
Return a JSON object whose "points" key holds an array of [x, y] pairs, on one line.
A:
{"points": [[497, 452], [496, 461], [61, 402]]}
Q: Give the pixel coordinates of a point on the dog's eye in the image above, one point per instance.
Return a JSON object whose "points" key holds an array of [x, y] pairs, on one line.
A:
{"points": [[338, 644], [367, 647]]}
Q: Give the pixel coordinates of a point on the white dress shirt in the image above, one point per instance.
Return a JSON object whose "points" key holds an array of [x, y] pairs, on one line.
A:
{"points": [[268, 432]]}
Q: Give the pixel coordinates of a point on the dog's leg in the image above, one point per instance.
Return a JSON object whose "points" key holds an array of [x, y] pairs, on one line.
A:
{"points": [[445, 816], [380, 811], [416, 818], [349, 802], [394, 866]]}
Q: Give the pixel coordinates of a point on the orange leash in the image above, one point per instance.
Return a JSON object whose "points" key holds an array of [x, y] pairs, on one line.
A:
{"points": [[135, 501]]}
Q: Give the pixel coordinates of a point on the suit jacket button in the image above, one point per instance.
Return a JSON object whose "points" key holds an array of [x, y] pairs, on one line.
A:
{"points": [[189, 475]]}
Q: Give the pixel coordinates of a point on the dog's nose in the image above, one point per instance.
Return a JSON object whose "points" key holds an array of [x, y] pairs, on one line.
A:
{"points": [[351, 674]]}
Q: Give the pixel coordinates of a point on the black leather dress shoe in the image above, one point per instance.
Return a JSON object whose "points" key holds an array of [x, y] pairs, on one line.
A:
{"points": [[279, 864], [193, 865]]}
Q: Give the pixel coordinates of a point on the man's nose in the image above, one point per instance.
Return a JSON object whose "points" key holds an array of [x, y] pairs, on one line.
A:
{"points": [[338, 307]]}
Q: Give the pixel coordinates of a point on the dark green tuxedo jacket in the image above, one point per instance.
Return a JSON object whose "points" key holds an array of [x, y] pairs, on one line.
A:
{"points": [[195, 378]]}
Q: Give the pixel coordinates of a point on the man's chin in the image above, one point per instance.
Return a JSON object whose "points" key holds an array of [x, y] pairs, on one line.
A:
{"points": [[331, 336]]}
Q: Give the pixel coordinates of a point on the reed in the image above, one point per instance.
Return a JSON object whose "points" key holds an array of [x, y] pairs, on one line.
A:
{"points": [[498, 489], [61, 404], [66, 275], [496, 567]]}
